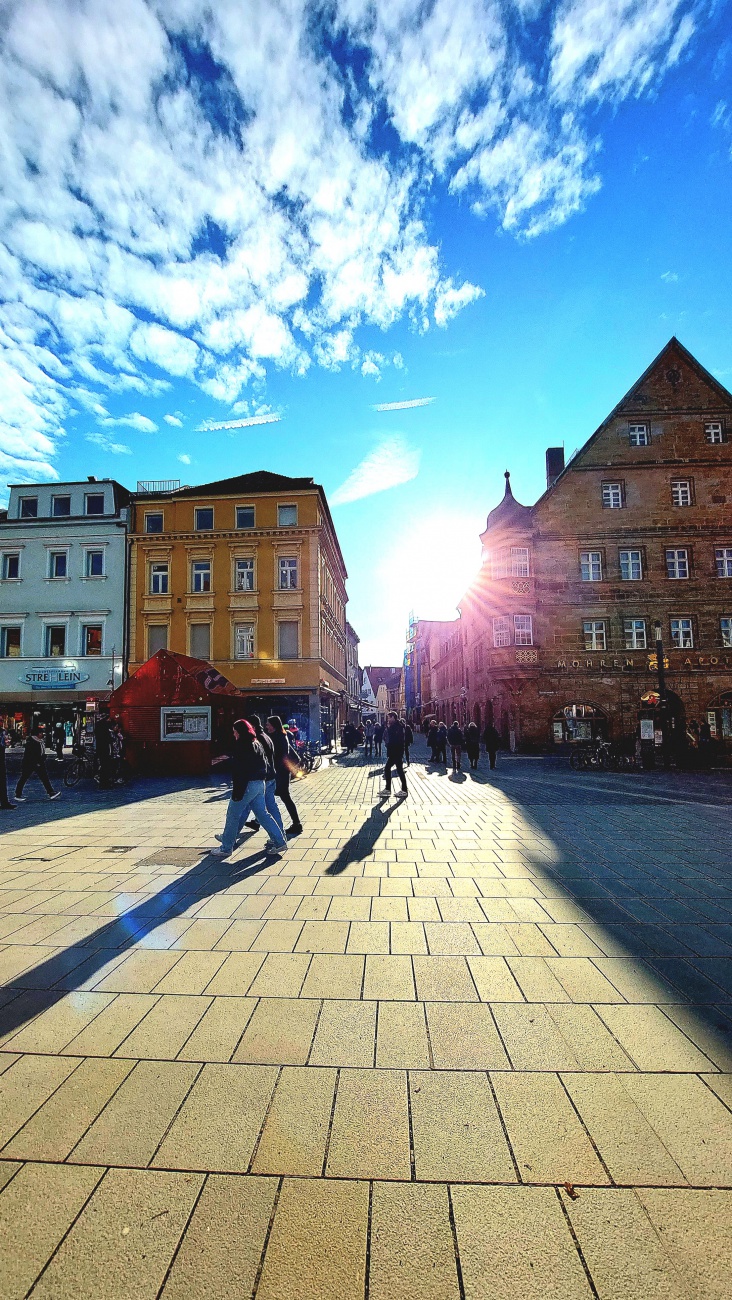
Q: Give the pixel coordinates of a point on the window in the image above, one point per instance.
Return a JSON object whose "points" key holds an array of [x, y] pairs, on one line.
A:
{"points": [[29, 507], [638, 435], [591, 566], [204, 519], [677, 563], [714, 432], [60, 507], [288, 573], [94, 503], [157, 638], [723, 557], [154, 523], [57, 564], [9, 642], [244, 641], [594, 635], [245, 516], [631, 566], [287, 640], [287, 516], [201, 640], [519, 561], [201, 572], [94, 567], [522, 629], [55, 642], [159, 580], [612, 496], [244, 575], [11, 567], [501, 631], [725, 627], [91, 639], [635, 633], [681, 491], [681, 633]]}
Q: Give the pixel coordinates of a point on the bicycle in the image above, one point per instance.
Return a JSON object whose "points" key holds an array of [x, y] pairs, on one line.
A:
{"points": [[81, 765]]}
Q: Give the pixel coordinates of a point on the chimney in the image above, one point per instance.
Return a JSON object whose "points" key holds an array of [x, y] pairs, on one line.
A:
{"points": [[554, 464]]}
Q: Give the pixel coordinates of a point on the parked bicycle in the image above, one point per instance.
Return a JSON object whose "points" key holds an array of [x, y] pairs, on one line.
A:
{"points": [[310, 756], [85, 764], [602, 756]]}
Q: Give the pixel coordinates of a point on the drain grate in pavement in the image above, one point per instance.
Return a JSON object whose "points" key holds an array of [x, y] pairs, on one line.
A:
{"points": [[172, 858]]}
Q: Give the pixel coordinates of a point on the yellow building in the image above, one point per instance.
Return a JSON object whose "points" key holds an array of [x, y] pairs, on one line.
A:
{"points": [[246, 573]]}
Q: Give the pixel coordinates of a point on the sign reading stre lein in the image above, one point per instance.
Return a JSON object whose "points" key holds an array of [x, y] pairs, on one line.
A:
{"points": [[65, 678]]}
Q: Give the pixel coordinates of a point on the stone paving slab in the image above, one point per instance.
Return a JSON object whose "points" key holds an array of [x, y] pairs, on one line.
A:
{"points": [[476, 1044]]}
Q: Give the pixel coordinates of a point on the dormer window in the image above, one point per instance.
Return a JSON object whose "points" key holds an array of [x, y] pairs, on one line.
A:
{"points": [[29, 507]]}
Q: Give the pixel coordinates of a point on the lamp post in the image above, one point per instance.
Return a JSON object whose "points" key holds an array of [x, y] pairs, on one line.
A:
{"points": [[661, 669]]}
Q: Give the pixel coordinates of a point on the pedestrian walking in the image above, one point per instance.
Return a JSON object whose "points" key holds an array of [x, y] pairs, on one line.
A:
{"points": [[270, 780], [59, 739], [285, 762], [4, 744], [472, 745], [456, 741], [34, 761], [248, 772], [394, 738], [378, 738], [103, 748], [433, 743], [491, 740], [442, 743], [368, 738], [408, 740]]}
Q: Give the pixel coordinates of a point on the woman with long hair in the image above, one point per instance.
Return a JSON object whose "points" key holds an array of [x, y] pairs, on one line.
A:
{"points": [[249, 773], [283, 768]]}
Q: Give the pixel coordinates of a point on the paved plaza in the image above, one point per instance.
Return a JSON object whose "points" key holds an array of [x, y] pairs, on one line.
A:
{"points": [[477, 1044]]}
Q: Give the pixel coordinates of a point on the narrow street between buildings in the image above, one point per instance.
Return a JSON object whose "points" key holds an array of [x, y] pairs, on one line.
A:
{"points": [[472, 1044]]}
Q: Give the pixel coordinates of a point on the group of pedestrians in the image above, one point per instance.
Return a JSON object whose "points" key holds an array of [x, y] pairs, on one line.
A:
{"points": [[460, 739], [261, 760]]}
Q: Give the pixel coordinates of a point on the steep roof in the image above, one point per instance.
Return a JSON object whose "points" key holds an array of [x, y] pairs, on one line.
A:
{"points": [[388, 677], [260, 480], [509, 513]]}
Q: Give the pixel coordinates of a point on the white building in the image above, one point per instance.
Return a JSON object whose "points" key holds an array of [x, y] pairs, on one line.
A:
{"points": [[63, 583]]}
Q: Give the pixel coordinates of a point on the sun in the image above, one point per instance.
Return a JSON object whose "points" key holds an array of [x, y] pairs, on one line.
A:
{"points": [[431, 564]]}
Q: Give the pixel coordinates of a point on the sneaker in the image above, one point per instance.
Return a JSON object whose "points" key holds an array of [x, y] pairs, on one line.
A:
{"points": [[292, 831], [385, 790], [271, 847], [220, 838], [251, 826], [21, 798], [57, 795], [221, 853], [402, 794]]}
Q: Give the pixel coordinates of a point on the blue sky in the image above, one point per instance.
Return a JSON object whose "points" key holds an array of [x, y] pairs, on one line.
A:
{"points": [[214, 213]]}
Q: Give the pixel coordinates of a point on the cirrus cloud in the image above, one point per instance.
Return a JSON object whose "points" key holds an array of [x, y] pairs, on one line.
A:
{"points": [[390, 464]]}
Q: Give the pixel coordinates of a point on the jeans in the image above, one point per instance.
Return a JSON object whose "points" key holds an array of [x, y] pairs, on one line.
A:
{"points": [[270, 803], [254, 797]]}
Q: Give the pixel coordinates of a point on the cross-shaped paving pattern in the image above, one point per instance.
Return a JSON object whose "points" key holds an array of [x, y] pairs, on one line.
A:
{"points": [[476, 1044]]}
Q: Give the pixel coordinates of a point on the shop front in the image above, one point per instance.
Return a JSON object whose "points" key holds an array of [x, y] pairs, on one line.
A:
{"points": [[579, 723], [55, 694]]}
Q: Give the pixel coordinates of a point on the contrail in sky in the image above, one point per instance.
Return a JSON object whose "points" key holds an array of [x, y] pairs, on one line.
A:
{"points": [[210, 426], [403, 406]]}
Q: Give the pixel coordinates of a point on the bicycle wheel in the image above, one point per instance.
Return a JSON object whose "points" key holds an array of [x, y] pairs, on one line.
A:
{"points": [[73, 771], [316, 760]]}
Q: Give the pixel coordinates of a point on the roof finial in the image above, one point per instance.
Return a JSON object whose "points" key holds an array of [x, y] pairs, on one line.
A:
{"points": [[507, 476]]}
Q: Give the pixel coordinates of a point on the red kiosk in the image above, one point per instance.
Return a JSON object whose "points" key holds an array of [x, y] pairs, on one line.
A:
{"points": [[176, 714]]}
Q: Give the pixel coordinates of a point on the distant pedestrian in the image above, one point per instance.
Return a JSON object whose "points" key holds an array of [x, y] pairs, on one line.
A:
{"points": [[103, 749], [394, 738], [472, 744], [442, 743], [491, 740], [368, 738], [408, 740], [34, 761], [456, 741], [248, 773], [4, 744], [433, 743], [378, 738], [59, 739], [285, 763]]}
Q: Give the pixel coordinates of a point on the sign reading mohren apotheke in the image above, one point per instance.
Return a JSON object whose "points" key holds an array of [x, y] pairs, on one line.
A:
{"points": [[65, 678]]}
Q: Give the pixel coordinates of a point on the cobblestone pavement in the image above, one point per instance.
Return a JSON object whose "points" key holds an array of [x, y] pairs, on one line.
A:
{"points": [[477, 1044]]}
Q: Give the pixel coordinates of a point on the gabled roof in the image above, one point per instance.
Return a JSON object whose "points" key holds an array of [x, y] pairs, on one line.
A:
{"points": [[261, 480], [388, 677]]}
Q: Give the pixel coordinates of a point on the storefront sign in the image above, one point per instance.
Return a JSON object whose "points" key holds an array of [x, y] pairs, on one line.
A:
{"points": [[188, 722], [646, 664], [268, 681], [65, 678]]}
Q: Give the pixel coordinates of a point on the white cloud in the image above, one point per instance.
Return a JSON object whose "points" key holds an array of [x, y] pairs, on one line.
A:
{"points": [[184, 459], [174, 420], [670, 277], [404, 406], [210, 426], [391, 463], [156, 227], [106, 444], [134, 421]]}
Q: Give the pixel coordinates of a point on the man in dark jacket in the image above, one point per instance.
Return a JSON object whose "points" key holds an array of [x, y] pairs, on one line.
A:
{"points": [[442, 743], [103, 748], [34, 760], [394, 737], [408, 740], [456, 741], [378, 738], [491, 740]]}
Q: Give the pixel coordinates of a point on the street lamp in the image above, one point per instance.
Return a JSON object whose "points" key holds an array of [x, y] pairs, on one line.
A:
{"points": [[661, 670]]}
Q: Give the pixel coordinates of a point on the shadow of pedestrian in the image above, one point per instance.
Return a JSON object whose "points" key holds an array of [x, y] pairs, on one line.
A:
{"points": [[362, 843]]}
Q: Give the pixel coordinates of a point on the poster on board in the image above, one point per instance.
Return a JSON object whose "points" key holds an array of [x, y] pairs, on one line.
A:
{"points": [[186, 722]]}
